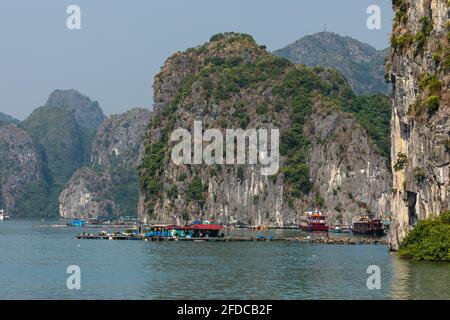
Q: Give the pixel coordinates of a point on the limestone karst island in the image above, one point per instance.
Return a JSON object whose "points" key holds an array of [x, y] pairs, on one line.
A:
{"points": [[289, 156]]}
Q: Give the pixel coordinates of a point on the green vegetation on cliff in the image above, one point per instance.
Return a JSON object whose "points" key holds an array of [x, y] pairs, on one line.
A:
{"points": [[374, 113], [361, 64], [62, 147], [429, 240], [232, 82]]}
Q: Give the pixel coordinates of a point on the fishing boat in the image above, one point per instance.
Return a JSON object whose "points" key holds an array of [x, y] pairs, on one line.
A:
{"points": [[77, 223], [346, 229], [313, 221], [368, 226], [3, 215], [335, 229], [340, 229]]}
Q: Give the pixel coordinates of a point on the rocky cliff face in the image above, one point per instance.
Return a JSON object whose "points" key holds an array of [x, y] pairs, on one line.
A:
{"points": [[61, 145], [359, 62], [346, 167], [53, 142], [87, 113], [21, 178], [109, 186], [328, 159], [419, 70], [119, 139], [86, 196]]}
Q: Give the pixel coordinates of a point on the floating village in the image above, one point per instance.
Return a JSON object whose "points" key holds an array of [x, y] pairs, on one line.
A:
{"points": [[313, 226]]}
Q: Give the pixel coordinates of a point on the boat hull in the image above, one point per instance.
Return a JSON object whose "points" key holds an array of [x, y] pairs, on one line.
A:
{"points": [[315, 228]]}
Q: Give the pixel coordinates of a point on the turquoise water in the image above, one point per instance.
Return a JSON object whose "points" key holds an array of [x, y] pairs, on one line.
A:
{"points": [[33, 263]]}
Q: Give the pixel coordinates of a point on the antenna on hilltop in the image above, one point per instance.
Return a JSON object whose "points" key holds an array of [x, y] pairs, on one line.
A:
{"points": [[325, 28]]}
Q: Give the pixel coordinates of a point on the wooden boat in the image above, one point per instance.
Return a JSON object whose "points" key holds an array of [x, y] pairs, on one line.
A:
{"points": [[368, 226]]}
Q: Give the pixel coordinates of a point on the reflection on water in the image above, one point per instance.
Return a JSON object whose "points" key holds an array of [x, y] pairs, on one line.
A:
{"points": [[33, 264], [420, 280]]}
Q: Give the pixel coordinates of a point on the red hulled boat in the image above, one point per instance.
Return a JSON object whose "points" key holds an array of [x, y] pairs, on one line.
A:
{"points": [[313, 221]]}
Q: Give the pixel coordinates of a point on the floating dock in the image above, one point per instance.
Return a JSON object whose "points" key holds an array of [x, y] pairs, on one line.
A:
{"points": [[322, 240], [89, 226]]}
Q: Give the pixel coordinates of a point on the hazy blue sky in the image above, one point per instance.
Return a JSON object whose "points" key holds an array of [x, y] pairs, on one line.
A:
{"points": [[123, 44]]}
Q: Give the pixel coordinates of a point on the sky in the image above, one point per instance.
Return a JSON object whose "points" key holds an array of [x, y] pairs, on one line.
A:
{"points": [[121, 45]]}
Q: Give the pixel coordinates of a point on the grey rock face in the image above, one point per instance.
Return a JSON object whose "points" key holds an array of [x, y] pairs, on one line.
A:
{"points": [[62, 148], [19, 172], [421, 182], [86, 196], [119, 139], [109, 187], [345, 168], [88, 114]]}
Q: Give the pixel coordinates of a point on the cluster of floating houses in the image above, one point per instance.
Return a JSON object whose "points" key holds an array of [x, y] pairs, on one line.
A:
{"points": [[210, 230], [198, 230]]}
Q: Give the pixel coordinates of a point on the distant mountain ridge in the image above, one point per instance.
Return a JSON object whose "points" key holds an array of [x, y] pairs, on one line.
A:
{"points": [[87, 113], [62, 146], [5, 118], [361, 64], [67, 158], [46, 148], [108, 186]]}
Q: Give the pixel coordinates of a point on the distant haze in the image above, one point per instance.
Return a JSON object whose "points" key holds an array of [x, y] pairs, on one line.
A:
{"points": [[123, 44]]}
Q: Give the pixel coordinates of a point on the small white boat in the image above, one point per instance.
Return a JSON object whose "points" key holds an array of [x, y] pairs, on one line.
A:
{"points": [[3, 215]]}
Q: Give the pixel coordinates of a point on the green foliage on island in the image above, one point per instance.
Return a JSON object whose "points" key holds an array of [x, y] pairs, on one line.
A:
{"points": [[364, 68], [62, 148], [297, 86], [196, 191], [431, 83], [150, 170], [432, 103], [33, 201], [124, 189], [374, 113], [429, 240], [400, 163], [225, 72], [401, 41], [401, 8]]}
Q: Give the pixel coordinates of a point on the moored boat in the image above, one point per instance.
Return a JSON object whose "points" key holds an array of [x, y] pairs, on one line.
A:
{"points": [[3, 215], [313, 221], [366, 225], [77, 223], [335, 229]]}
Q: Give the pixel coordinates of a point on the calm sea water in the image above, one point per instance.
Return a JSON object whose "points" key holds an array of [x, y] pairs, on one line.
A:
{"points": [[33, 263]]}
